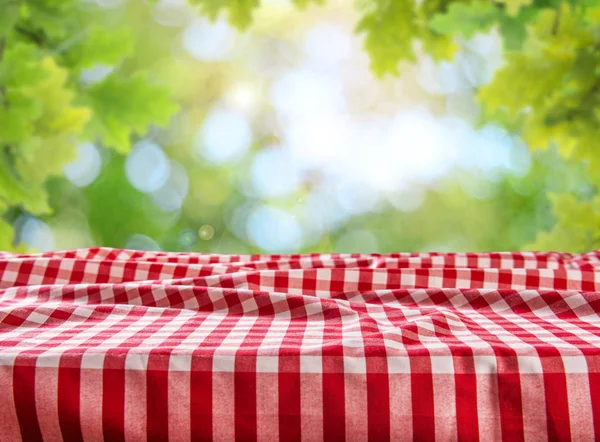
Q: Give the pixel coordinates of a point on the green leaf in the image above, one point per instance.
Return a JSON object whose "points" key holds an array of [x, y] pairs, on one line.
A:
{"points": [[20, 65], [8, 16], [560, 238], [522, 82], [303, 4], [23, 103], [239, 11], [51, 19], [52, 151], [466, 19], [14, 128], [123, 106], [390, 31], [106, 46], [576, 228], [570, 211], [514, 6], [39, 128], [513, 31], [15, 192], [55, 98]]}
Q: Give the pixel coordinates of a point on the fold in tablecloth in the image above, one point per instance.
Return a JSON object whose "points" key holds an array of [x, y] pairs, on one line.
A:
{"points": [[106, 344]]}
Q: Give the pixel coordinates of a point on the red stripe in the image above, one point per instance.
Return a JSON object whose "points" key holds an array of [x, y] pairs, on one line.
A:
{"points": [[157, 397], [78, 271], [595, 396], [51, 272], [201, 399], [588, 282], [334, 395], [467, 424], [24, 397], [511, 407], [290, 424], [334, 411], [422, 406], [245, 405], [24, 273], [113, 402], [69, 381], [557, 406], [532, 279], [290, 393], [378, 385], [378, 406], [560, 279], [281, 281], [3, 264], [103, 274], [504, 279], [477, 278], [450, 274]]}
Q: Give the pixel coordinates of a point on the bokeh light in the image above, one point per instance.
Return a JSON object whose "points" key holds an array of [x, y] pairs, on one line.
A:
{"points": [[224, 136], [138, 241], [274, 230], [35, 233], [171, 195], [274, 173], [285, 141], [209, 41], [173, 13], [95, 74], [187, 238], [86, 168], [206, 232], [147, 167]]}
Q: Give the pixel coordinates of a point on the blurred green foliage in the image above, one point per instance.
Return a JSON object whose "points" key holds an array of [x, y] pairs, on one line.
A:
{"points": [[45, 111], [548, 92]]}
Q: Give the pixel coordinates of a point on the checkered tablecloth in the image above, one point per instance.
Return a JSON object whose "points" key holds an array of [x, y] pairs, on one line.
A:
{"points": [[105, 344]]}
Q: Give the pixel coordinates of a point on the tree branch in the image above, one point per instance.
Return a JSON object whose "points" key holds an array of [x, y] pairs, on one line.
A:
{"points": [[38, 39], [556, 23]]}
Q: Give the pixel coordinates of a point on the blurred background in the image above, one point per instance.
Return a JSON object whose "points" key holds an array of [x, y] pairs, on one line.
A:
{"points": [[283, 140]]}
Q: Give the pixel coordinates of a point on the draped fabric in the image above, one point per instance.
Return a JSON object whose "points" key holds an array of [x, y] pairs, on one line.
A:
{"points": [[107, 344]]}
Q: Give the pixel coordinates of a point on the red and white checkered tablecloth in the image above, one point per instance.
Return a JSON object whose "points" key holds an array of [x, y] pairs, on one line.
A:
{"points": [[106, 344]]}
